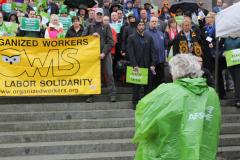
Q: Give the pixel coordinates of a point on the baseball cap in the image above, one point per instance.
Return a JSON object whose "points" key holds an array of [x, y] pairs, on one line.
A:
{"points": [[99, 10]]}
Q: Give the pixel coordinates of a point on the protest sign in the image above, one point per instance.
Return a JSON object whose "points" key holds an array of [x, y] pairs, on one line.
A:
{"points": [[34, 67], [66, 22], [30, 24], [7, 7], [232, 57], [20, 6], [72, 13], [140, 77], [12, 28], [179, 19]]}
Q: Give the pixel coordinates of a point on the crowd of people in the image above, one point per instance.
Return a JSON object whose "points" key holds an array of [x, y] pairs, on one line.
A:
{"points": [[141, 36]]}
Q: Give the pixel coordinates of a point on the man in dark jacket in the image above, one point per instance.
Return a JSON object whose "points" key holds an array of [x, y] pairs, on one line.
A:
{"points": [[106, 44], [141, 54], [76, 30], [159, 51], [233, 44], [127, 31]]}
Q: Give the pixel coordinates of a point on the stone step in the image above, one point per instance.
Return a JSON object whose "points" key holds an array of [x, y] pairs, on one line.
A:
{"points": [[66, 124], [65, 115], [124, 155], [124, 90], [231, 118], [93, 114], [38, 107], [29, 151], [230, 110], [229, 152], [66, 135], [229, 140], [227, 128], [61, 99], [43, 107], [88, 134], [228, 102], [230, 128], [82, 98], [66, 147]]}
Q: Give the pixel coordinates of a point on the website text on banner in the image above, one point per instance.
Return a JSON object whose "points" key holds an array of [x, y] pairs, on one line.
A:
{"points": [[34, 67]]}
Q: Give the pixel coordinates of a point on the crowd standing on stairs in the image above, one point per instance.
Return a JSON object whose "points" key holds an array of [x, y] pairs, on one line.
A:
{"points": [[170, 31], [172, 45]]}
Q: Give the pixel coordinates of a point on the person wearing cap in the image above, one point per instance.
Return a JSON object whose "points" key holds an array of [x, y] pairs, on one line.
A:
{"points": [[128, 7], [63, 11], [127, 31], [141, 54], [106, 44]]}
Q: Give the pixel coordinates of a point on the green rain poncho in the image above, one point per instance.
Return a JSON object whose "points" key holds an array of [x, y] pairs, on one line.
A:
{"points": [[178, 121]]}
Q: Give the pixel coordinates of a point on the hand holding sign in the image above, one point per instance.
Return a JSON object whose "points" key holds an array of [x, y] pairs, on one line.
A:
{"points": [[137, 75]]}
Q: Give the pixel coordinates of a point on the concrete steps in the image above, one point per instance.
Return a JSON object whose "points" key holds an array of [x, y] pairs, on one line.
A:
{"points": [[66, 115], [66, 135], [43, 107], [64, 128], [124, 155], [66, 124], [66, 147]]}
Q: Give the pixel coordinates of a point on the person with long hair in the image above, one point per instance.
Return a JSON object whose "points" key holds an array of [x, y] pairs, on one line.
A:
{"points": [[165, 14], [171, 32]]}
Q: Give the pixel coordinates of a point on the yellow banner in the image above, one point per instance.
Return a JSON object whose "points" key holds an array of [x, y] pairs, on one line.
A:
{"points": [[34, 67]]}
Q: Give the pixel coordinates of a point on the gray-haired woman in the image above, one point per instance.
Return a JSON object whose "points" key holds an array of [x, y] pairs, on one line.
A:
{"points": [[179, 120]]}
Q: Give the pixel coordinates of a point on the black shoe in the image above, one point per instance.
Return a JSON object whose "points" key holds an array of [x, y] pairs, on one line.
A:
{"points": [[237, 104], [113, 99], [134, 106], [90, 99]]}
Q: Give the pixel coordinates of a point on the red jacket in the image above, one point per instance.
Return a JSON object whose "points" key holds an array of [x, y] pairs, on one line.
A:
{"points": [[114, 35]]}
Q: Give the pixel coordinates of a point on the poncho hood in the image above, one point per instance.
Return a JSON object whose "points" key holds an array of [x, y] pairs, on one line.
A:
{"points": [[196, 85]]}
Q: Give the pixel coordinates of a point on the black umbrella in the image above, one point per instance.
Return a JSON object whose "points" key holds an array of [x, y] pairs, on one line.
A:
{"points": [[77, 3], [185, 5]]}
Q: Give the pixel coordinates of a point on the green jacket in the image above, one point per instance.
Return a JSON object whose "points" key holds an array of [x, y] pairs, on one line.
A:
{"points": [[178, 121], [4, 29]]}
